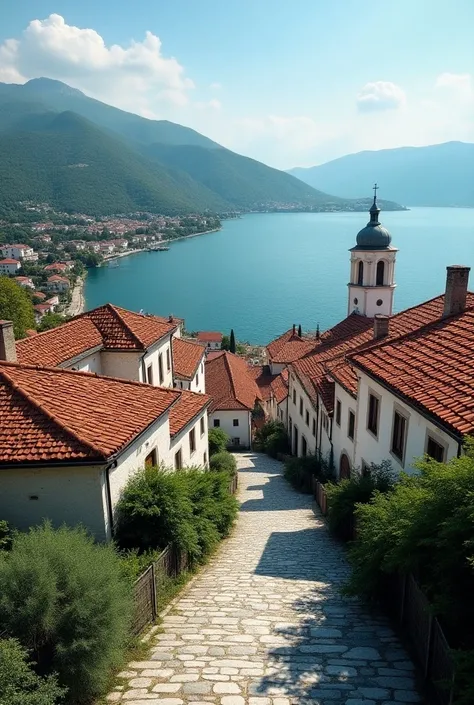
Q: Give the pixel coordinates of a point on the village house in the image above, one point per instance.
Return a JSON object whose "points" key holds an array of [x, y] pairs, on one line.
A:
{"points": [[120, 243], [25, 282], [235, 397], [9, 266], [188, 365], [211, 339], [106, 248], [70, 441], [17, 251], [62, 267], [58, 283], [41, 310], [374, 387]]}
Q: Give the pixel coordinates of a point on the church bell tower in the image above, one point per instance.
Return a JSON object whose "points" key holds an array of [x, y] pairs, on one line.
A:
{"points": [[372, 280]]}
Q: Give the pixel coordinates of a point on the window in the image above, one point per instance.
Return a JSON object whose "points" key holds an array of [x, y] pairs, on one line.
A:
{"points": [[294, 397], [314, 428], [235, 422], [197, 380], [217, 423], [149, 374], [307, 417], [204, 459], [168, 360], [301, 406], [203, 426], [192, 441], [304, 446], [236, 442], [160, 368], [360, 273], [373, 414], [338, 412], [151, 459], [399, 432], [435, 450], [380, 273], [178, 460], [351, 425]]}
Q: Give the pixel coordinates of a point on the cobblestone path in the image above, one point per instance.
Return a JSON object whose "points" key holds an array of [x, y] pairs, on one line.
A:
{"points": [[265, 623]]}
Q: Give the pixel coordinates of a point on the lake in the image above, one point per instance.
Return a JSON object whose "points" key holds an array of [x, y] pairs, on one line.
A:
{"points": [[263, 272]]}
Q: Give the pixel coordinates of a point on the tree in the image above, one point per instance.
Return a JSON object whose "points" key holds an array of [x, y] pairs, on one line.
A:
{"points": [[51, 320], [218, 440], [19, 684], [300, 332], [232, 346], [16, 306], [225, 345]]}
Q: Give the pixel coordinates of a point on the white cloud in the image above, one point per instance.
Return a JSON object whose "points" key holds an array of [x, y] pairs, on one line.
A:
{"points": [[380, 95], [137, 77], [215, 86], [461, 84]]}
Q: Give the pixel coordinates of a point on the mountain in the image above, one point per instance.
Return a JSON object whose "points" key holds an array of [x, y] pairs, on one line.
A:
{"points": [[48, 128], [437, 175]]}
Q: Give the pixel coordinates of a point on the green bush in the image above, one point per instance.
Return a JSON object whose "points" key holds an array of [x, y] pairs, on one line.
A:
{"points": [[134, 563], [191, 508], [218, 441], [65, 599], [6, 536], [19, 684], [272, 438], [300, 471], [358, 489], [223, 462]]}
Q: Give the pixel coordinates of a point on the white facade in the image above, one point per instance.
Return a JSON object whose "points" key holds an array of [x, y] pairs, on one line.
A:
{"points": [[302, 419], [17, 251], [196, 384], [181, 446], [9, 267], [58, 284], [372, 282], [236, 423], [157, 367]]}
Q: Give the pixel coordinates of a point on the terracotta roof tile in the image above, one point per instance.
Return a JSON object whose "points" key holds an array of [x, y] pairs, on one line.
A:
{"points": [[108, 326], [54, 415], [189, 405], [289, 347], [229, 383], [280, 386], [186, 357], [211, 336], [432, 367]]}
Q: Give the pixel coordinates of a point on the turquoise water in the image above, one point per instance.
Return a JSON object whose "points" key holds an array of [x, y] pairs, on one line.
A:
{"points": [[263, 272]]}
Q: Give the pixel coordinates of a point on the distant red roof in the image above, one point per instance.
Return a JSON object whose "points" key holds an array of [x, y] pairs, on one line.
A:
{"points": [[230, 384], [186, 357], [209, 337], [289, 347], [9, 261], [57, 278]]}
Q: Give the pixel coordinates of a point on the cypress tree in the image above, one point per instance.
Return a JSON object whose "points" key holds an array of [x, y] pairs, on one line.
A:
{"points": [[232, 346]]}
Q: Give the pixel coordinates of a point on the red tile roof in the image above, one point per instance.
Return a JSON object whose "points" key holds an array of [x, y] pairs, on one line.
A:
{"points": [[186, 357], [209, 337], [56, 415], [433, 368], [108, 326], [263, 378], [289, 347], [56, 266], [280, 386], [58, 278], [188, 406], [9, 261], [229, 383]]}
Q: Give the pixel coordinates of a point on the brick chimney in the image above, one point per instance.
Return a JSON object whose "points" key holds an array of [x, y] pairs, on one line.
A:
{"points": [[457, 277], [7, 342], [381, 326]]}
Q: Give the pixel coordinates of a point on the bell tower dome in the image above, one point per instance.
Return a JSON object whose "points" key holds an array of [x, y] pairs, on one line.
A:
{"points": [[372, 280]]}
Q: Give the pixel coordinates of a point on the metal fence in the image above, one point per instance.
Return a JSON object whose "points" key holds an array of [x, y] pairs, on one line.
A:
{"points": [[147, 588], [408, 605]]}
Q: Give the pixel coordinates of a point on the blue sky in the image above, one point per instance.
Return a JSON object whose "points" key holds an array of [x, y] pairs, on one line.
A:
{"points": [[289, 83]]}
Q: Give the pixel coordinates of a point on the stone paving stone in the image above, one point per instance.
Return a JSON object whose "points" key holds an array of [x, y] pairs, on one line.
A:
{"points": [[265, 622]]}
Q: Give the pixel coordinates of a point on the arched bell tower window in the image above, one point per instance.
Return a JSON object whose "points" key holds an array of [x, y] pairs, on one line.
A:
{"points": [[360, 273], [380, 273]]}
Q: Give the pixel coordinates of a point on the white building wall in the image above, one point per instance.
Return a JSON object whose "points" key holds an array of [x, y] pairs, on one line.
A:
{"points": [[9, 268], [226, 419], [181, 442], [125, 365], [276, 367], [71, 495], [369, 449], [163, 348], [342, 443], [297, 393], [90, 363], [196, 384], [282, 412]]}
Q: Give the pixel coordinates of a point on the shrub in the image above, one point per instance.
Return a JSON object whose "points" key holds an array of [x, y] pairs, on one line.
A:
{"points": [[359, 489], [272, 438], [300, 471], [223, 462], [155, 510], [19, 684], [218, 441], [191, 508], [65, 599], [6, 536], [134, 563]]}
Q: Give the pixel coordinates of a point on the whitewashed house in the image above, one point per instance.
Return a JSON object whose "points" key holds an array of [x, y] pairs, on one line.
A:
{"points": [[25, 282], [70, 441], [188, 365], [211, 339], [9, 267], [17, 251], [58, 283], [234, 394]]}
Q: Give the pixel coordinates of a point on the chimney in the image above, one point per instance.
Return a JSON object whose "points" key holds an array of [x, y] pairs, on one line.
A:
{"points": [[381, 326], [294, 328], [457, 277], [7, 342]]}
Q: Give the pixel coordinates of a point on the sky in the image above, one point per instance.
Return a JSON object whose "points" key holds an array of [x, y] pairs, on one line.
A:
{"points": [[287, 82]]}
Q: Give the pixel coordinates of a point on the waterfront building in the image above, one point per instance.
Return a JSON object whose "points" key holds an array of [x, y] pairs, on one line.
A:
{"points": [[9, 266], [211, 339], [18, 251], [58, 283]]}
